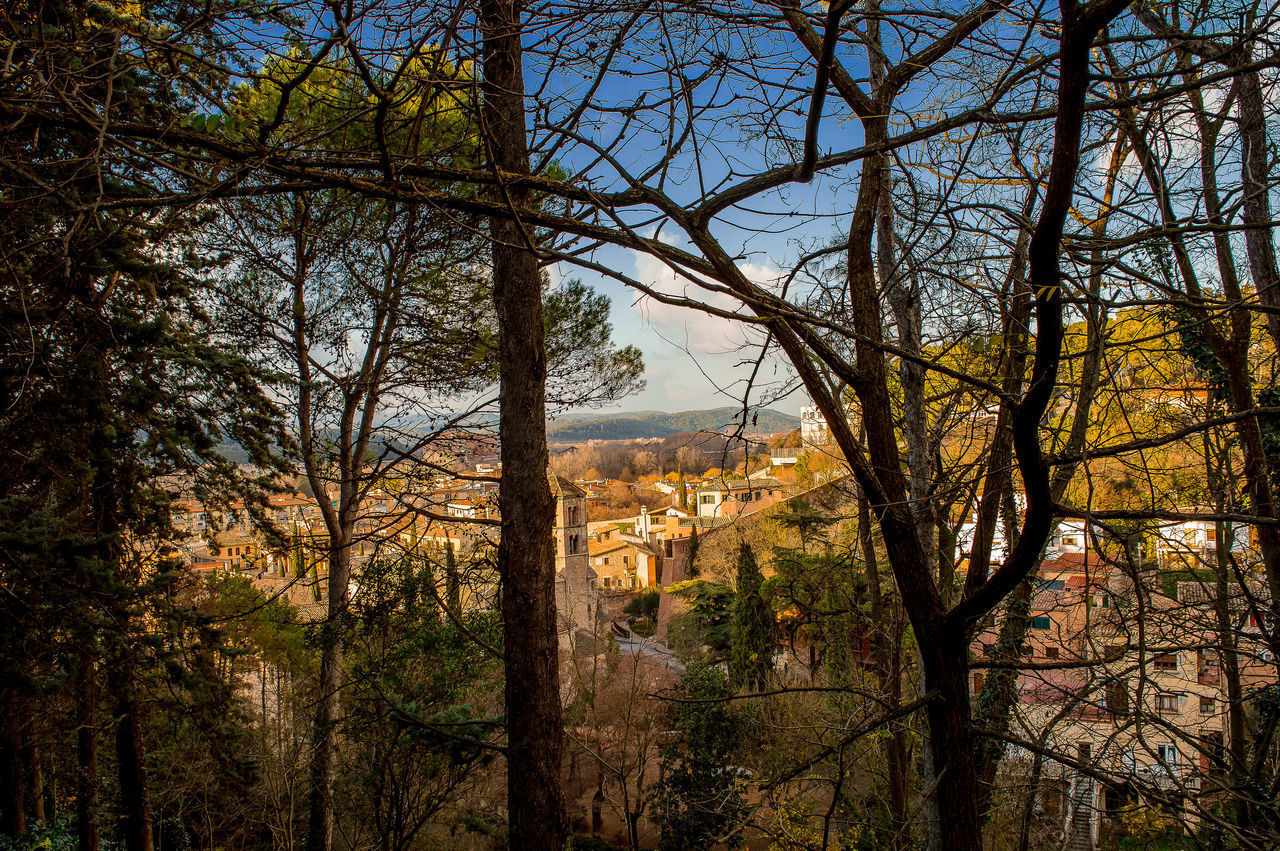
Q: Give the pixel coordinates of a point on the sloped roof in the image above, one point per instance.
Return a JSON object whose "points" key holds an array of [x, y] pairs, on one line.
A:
{"points": [[1074, 563], [599, 549], [562, 487]]}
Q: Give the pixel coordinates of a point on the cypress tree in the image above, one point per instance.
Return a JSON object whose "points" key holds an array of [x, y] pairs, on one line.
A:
{"points": [[751, 653], [453, 585], [693, 552]]}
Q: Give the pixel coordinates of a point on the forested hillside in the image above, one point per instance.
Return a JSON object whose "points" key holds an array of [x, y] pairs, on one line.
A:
{"points": [[644, 424]]}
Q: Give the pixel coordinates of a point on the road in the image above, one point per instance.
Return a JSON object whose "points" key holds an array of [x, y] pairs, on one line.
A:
{"points": [[631, 644]]}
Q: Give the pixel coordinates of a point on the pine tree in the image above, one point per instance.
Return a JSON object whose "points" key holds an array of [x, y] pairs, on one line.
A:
{"points": [[112, 385], [751, 655]]}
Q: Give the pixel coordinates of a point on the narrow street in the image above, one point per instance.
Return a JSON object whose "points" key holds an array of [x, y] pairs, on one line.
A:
{"points": [[631, 644]]}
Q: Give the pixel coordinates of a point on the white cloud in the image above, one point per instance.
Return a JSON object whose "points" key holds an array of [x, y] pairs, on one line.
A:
{"points": [[692, 355], [701, 333]]}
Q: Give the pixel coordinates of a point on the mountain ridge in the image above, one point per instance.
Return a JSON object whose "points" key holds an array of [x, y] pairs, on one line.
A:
{"points": [[634, 425]]}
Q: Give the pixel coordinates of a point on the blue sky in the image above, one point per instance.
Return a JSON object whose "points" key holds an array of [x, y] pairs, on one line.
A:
{"points": [[692, 360]]}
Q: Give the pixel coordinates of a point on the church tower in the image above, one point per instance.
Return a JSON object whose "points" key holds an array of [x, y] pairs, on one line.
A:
{"points": [[576, 596]]}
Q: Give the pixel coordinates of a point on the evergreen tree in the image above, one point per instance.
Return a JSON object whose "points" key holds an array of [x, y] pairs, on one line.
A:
{"points": [[112, 385], [700, 797], [453, 582], [751, 656], [693, 552]]}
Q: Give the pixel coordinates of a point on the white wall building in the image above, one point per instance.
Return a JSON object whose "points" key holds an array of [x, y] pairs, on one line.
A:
{"points": [[813, 426]]}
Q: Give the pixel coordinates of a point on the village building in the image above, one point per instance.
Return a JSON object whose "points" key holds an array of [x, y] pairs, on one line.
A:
{"points": [[814, 431], [577, 594], [735, 497]]}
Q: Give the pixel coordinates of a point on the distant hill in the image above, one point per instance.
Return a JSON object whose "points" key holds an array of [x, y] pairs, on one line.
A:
{"points": [[638, 424], [632, 425]]}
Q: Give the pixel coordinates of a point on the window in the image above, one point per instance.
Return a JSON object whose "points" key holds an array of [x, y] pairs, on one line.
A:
{"points": [[1166, 703], [978, 681], [1051, 652], [1206, 706], [1167, 754], [707, 499], [1117, 698], [1041, 622], [1167, 662]]}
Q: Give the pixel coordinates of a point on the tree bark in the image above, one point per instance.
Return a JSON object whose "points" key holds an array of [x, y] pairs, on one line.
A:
{"points": [[535, 800], [135, 802], [13, 809], [1256, 203], [320, 794], [886, 650], [1229, 664], [945, 671], [35, 770], [87, 759]]}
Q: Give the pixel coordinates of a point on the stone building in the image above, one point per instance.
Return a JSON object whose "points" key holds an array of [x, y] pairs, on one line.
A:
{"points": [[577, 596]]}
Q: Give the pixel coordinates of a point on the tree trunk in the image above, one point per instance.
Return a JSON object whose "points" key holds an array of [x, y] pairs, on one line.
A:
{"points": [[50, 799], [886, 647], [13, 809], [320, 793], [945, 674], [535, 800], [135, 803], [1000, 692], [87, 759], [1256, 203], [1229, 665], [31, 757], [1028, 812], [597, 805]]}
